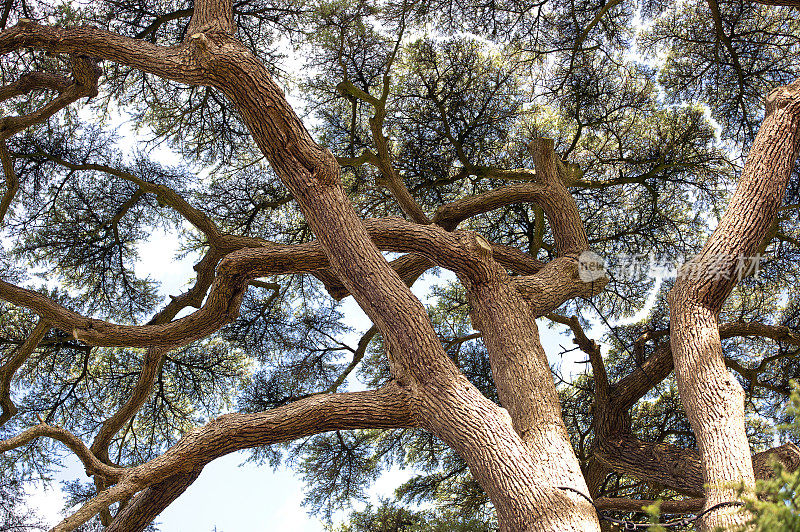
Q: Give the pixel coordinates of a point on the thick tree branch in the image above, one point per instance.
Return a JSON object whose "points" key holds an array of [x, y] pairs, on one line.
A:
{"points": [[34, 81], [311, 175], [211, 16], [451, 214], [558, 204], [150, 502], [85, 73], [557, 282], [237, 269], [175, 63], [618, 450], [713, 400], [388, 407], [677, 467]]}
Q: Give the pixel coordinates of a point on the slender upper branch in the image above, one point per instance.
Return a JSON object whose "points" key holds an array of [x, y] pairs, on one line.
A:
{"points": [[150, 367], [17, 358], [90, 461]]}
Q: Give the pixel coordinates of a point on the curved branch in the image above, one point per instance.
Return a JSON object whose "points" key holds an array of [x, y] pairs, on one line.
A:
{"points": [[92, 464], [173, 62], [558, 204], [14, 362], [660, 364], [144, 385], [454, 251], [677, 467], [34, 81], [557, 282], [387, 407], [163, 19], [358, 355], [150, 502], [85, 73], [451, 214]]}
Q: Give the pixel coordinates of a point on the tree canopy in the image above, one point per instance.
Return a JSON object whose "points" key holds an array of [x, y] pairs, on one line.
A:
{"points": [[500, 140]]}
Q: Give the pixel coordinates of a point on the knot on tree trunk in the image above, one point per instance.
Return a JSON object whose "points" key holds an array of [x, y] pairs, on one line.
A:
{"points": [[782, 97]]}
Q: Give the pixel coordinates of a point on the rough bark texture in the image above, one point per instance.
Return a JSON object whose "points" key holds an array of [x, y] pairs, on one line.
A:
{"points": [[786, 3], [615, 448], [519, 453], [450, 407], [150, 502], [713, 400], [427, 382]]}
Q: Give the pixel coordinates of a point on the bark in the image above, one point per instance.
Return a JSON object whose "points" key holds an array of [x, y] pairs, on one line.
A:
{"points": [[676, 467], [25, 84], [713, 400], [450, 406], [785, 3], [504, 310], [443, 401], [150, 502], [388, 407], [498, 445], [615, 448], [238, 268], [14, 362]]}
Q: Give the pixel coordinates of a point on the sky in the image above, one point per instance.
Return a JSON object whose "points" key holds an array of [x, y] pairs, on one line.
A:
{"points": [[229, 496], [235, 496]]}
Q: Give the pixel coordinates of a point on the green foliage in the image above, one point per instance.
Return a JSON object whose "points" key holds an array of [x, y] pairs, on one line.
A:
{"points": [[776, 508], [653, 512], [641, 97], [388, 517]]}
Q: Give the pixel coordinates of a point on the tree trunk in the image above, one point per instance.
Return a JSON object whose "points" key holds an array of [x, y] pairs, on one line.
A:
{"points": [[711, 396], [447, 404]]}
